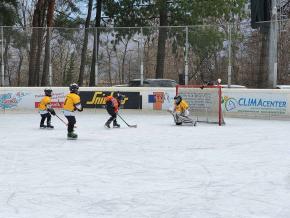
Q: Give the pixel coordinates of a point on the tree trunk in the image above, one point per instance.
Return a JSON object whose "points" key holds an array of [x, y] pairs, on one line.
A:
{"points": [[96, 43], [85, 45], [66, 67], [110, 76], [5, 61], [161, 39], [38, 56], [46, 61], [118, 76], [123, 62], [19, 68], [49, 20], [69, 73], [35, 42]]}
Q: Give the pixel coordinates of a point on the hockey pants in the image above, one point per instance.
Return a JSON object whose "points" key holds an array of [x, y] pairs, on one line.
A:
{"points": [[71, 123], [44, 117], [112, 118], [182, 117]]}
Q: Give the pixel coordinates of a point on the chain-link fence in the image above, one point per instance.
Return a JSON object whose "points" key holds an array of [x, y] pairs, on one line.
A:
{"points": [[236, 53]]}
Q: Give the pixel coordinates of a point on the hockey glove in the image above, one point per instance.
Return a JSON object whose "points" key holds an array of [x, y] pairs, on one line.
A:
{"points": [[51, 110]]}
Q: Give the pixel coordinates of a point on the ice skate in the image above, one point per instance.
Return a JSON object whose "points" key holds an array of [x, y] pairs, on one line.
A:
{"points": [[107, 124], [49, 126], [116, 125], [72, 136], [42, 126]]}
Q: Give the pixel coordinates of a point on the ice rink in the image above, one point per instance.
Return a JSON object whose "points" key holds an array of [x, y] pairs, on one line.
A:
{"points": [[158, 170]]}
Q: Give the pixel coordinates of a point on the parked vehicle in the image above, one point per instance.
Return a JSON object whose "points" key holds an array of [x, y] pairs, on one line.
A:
{"points": [[283, 87], [234, 86]]}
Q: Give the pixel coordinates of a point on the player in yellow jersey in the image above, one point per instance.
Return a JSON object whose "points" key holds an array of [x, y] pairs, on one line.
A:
{"points": [[181, 112], [71, 104], [45, 109]]}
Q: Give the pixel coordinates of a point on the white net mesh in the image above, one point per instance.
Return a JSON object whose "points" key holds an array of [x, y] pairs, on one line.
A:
{"points": [[204, 103]]}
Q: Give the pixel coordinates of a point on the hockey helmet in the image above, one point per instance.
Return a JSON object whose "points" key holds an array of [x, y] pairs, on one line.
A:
{"points": [[48, 92], [177, 99], [74, 88], [118, 96]]}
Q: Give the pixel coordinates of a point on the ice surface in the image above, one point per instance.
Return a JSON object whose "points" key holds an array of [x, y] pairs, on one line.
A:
{"points": [[158, 170]]}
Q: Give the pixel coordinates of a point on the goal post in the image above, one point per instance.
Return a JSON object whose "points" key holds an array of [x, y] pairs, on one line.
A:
{"points": [[205, 102]]}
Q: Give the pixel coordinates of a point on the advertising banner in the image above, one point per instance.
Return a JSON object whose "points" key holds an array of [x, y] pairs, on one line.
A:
{"points": [[253, 104], [161, 100], [12, 99], [28, 99], [96, 99], [57, 99]]}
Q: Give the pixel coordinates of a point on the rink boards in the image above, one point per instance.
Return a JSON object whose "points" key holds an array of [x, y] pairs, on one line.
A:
{"points": [[243, 103]]}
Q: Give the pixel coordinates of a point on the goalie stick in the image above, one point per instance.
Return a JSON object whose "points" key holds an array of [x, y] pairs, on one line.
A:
{"points": [[131, 126]]}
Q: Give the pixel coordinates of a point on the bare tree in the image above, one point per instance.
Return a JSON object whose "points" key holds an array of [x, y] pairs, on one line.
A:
{"points": [[49, 21], [36, 43], [95, 57], [85, 44]]}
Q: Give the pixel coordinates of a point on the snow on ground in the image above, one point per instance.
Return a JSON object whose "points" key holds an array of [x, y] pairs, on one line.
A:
{"points": [[158, 170]]}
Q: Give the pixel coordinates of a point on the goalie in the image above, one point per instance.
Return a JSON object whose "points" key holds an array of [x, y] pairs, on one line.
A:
{"points": [[181, 112]]}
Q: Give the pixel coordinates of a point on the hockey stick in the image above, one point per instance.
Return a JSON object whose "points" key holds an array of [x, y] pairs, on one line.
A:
{"points": [[75, 126], [132, 126], [61, 119], [169, 111]]}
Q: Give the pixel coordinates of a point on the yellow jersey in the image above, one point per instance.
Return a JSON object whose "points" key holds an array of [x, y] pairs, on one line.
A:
{"points": [[72, 101], [44, 103], [182, 106]]}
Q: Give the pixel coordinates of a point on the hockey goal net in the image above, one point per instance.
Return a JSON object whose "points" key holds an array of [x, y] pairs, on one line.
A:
{"points": [[204, 102]]}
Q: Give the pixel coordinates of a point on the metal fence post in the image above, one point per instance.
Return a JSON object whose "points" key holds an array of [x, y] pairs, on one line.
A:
{"points": [[50, 65], [141, 59], [97, 61], [230, 55], [274, 45], [186, 56], [2, 58]]}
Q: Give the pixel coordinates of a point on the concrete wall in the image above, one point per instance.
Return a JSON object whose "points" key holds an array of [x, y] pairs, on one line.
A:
{"points": [[243, 103]]}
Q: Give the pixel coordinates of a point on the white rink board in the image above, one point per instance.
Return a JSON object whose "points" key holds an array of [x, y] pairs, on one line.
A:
{"points": [[24, 98], [243, 103]]}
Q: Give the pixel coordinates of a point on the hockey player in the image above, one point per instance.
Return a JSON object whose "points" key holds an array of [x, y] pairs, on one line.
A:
{"points": [[112, 106], [45, 109], [71, 104], [181, 112]]}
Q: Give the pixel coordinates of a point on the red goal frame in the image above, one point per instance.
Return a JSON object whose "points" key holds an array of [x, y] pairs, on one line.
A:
{"points": [[220, 116]]}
